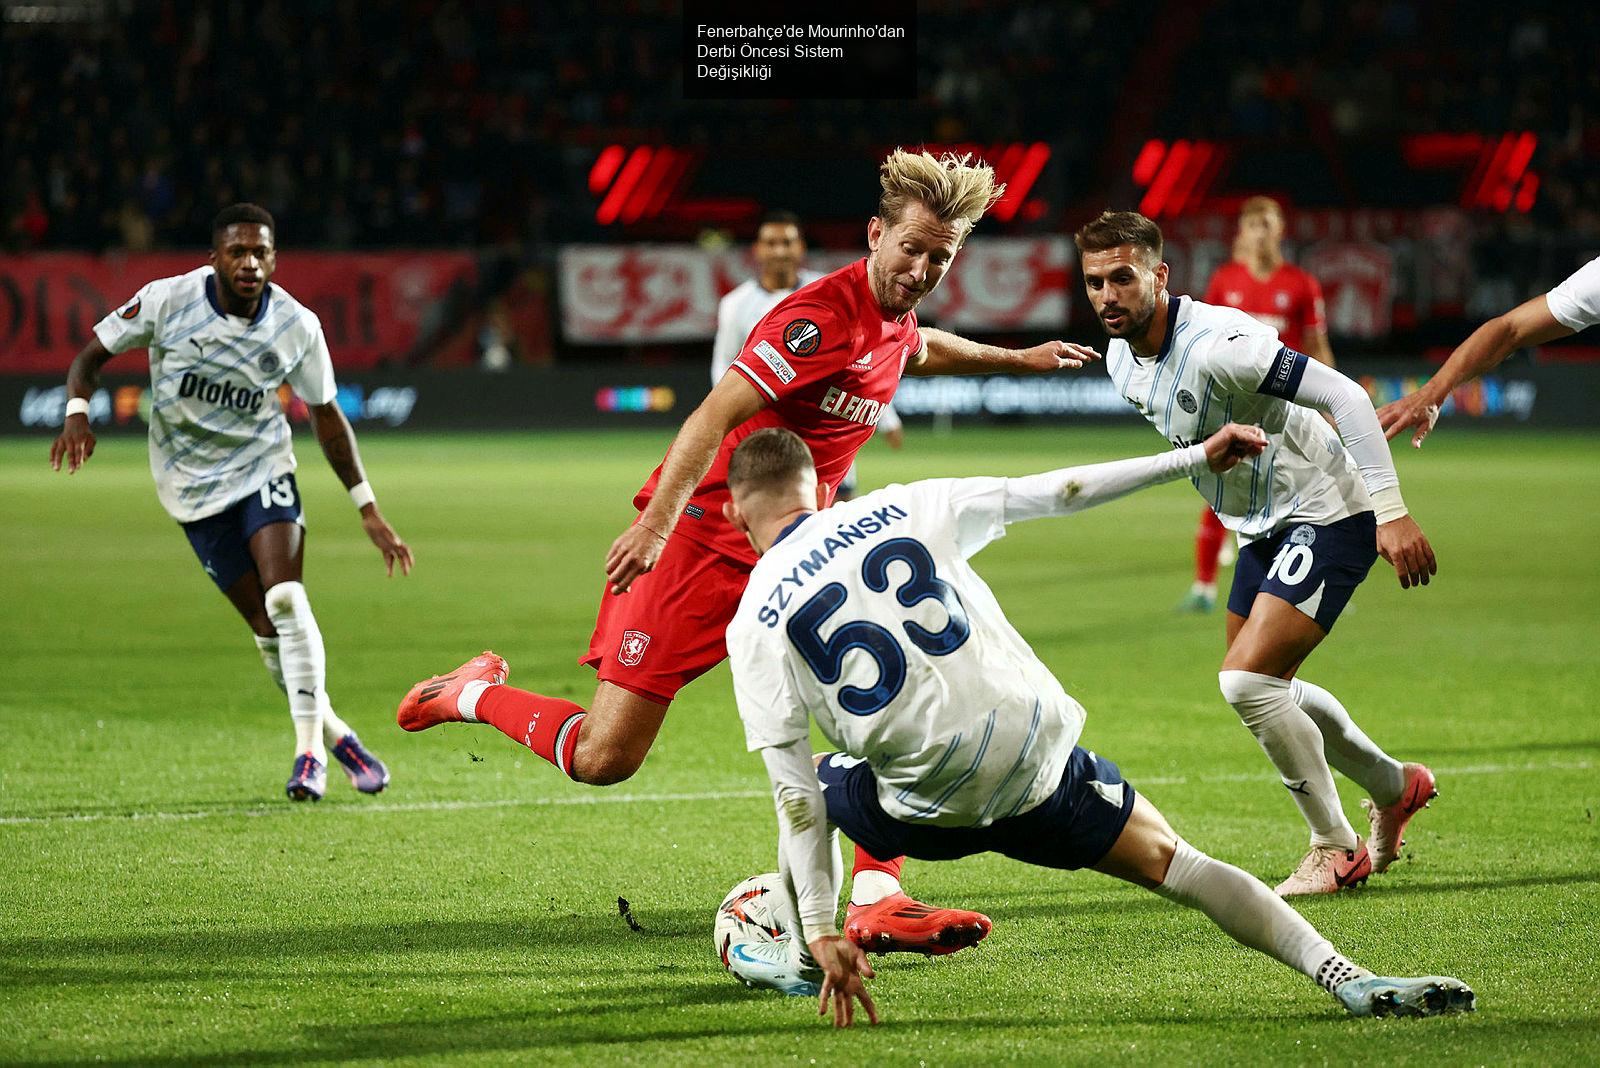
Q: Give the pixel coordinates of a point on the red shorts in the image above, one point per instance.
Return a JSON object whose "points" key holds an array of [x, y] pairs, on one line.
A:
{"points": [[668, 629]]}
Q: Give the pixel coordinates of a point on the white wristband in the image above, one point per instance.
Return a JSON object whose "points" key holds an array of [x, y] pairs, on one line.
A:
{"points": [[78, 406], [361, 494], [1387, 505]]}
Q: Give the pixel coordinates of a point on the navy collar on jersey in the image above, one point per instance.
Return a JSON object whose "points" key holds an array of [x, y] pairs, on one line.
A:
{"points": [[786, 531], [216, 305], [1174, 309]]}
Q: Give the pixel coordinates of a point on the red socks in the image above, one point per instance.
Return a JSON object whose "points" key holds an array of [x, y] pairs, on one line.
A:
{"points": [[547, 725], [867, 862], [1207, 544]]}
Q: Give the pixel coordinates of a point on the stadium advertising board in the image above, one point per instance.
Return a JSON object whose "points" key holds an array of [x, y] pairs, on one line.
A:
{"points": [[616, 394], [372, 305], [634, 293]]}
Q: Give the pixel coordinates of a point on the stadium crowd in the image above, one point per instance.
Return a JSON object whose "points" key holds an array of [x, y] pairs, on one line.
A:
{"points": [[426, 122]]}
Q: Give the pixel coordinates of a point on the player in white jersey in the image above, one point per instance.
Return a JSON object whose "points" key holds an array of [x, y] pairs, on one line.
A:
{"points": [[1572, 306], [954, 739], [779, 249], [222, 339], [1312, 514]]}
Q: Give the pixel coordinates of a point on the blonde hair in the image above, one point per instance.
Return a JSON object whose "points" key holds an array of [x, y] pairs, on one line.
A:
{"points": [[1260, 206], [956, 189]]}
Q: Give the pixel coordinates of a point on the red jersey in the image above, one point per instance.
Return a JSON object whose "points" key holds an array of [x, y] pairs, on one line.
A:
{"points": [[1289, 300], [828, 359]]}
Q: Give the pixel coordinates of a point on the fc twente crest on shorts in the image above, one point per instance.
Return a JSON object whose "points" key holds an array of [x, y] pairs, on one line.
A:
{"points": [[633, 646]]}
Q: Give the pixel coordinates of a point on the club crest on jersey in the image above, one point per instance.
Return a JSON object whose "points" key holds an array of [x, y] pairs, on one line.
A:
{"points": [[1302, 535], [269, 363], [634, 643], [130, 309], [1281, 299], [1186, 401], [801, 337]]}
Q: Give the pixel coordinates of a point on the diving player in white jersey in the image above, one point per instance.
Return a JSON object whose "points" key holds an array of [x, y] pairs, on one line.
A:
{"points": [[1572, 306], [779, 249], [1312, 515], [222, 339], [954, 739]]}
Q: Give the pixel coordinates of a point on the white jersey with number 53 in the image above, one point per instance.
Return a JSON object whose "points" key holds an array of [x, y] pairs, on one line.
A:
{"points": [[868, 617], [217, 433]]}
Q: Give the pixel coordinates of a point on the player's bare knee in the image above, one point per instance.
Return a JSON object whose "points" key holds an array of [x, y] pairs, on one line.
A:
{"points": [[603, 764]]}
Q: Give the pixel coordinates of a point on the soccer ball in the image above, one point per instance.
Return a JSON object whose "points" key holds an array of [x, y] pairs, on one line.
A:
{"points": [[750, 915], [754, 944]]}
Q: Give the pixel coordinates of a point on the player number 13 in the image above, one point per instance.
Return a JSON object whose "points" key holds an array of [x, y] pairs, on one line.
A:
{"points": [[825, 656]]}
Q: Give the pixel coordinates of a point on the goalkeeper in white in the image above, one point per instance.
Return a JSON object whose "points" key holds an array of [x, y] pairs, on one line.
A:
{"points": [[953, 738]]}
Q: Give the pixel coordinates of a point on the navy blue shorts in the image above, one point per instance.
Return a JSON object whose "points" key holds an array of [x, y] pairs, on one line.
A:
{"points": [[222, 541], [1315, 568], [1072, 828]]}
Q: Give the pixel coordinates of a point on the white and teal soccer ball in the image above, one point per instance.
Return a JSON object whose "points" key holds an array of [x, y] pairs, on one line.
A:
{"points": [[754, 943], [750, 915]]}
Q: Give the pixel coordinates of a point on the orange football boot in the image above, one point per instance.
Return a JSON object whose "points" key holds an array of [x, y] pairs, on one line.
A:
{"points": [[897, 924], [433, 701]]}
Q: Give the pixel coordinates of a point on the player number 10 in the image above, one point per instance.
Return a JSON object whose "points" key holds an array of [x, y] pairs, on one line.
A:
{"points": [[1292, 564]]}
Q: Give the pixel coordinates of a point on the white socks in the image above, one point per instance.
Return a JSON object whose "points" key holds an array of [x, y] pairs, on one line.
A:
{"points": [[303, 662], [333, 728], [1293, 743], [268, 648], [871, 886], [1347, 747], [1253, 916]]}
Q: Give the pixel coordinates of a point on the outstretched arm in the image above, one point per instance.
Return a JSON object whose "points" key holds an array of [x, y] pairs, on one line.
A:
{"points": [[948, 354], [1529, 323], [338, 443], [75, 443], [731, 401], [1073, 489]]}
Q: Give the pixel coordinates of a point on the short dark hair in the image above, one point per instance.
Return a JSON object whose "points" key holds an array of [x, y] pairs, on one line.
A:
{"points": [[1113, 228], [779, 218], [771, 456], [242, 213]]}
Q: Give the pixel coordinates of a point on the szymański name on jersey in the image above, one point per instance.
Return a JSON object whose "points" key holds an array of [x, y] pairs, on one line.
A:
{"points": [[868, 618], [217, 433]]}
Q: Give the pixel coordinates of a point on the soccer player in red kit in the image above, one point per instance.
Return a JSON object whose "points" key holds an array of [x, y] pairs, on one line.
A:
{"points": [[824, 362], [1262, 284]]}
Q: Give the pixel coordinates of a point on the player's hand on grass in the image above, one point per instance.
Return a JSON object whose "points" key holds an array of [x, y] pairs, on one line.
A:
{"points": [[1402, 543], [1233, 443], [844, 965], [631, 555], [75, 444], [1412, 410], [388, 542], [1055, 355]]}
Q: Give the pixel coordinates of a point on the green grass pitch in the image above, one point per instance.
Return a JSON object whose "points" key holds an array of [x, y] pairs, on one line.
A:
{"points": [[163, 902]]}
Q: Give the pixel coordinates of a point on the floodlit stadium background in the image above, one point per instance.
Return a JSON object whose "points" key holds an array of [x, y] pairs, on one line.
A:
{"points": [[518, 186]]}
